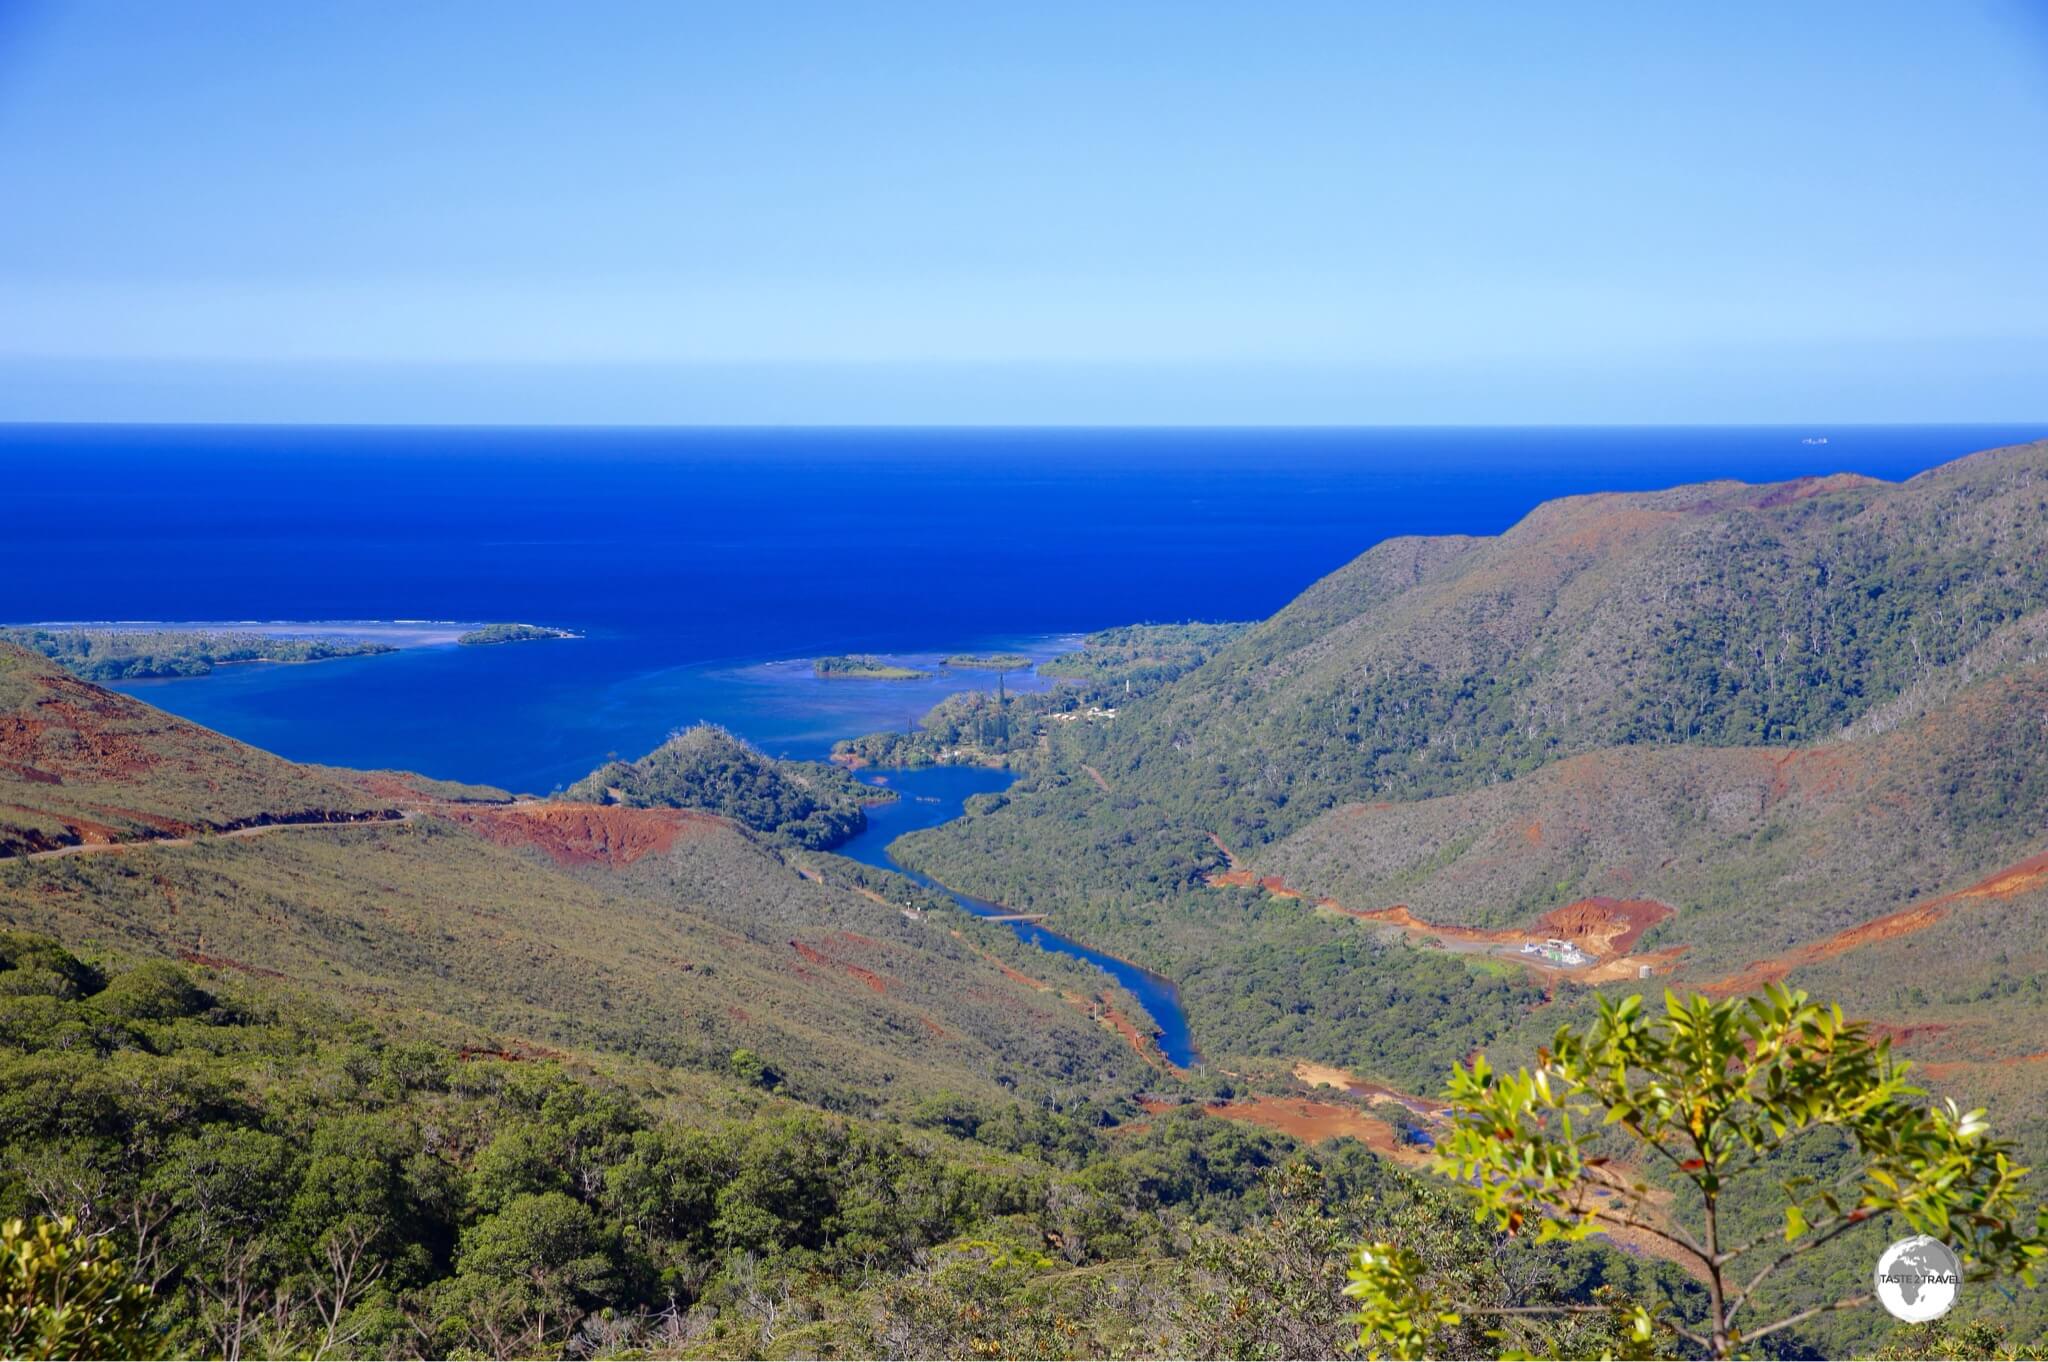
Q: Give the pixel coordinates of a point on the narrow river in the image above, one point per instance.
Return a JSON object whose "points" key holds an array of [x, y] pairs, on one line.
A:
{"points": [[931, 795]]}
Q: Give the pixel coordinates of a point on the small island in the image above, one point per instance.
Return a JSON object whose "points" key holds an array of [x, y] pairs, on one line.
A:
{"points": [[863, 667], [510, 633], [805, 804], [994, 662]]}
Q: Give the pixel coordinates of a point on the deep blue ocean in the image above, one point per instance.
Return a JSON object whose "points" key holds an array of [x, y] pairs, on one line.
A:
{"points": [[689, 558]]}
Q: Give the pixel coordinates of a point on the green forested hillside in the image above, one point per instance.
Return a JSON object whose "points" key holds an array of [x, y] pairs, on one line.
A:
{"points": [[801, 803], [1719, 614], [288, 1179], [1760, 848], [1642, 634], [1136, 656]]}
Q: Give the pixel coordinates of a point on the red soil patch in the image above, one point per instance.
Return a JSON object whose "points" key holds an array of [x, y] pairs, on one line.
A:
{"points": [[1629, 967], [1602, 925], [222, 962], [1245, 879], [1020, 977], [818, 957], [68, 732], [523, 1054], [1014, 975], [1328, 1075], [32, 774], [1312, 1122], [1133, 1037], [155, 822], [1099, 1009], [2028, 875], [1952, 1068], [587, 834], [1399, 916], [88, 832], [1900, 1036], [1533, 834]]}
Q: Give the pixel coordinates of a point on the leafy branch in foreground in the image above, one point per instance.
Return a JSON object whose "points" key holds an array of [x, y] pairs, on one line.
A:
{"points": [[1712, 1090], [64, 1294]]}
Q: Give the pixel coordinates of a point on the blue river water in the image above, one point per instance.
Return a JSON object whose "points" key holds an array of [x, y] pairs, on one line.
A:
{"points": [[929, 796]]}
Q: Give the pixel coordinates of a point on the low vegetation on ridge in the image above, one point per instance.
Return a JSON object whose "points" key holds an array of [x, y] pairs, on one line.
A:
{"points": [[863, 667], [147, 654], [511, 633]]}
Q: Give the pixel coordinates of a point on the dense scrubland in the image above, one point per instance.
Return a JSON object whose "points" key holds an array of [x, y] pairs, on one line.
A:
{"points": [[288, 1178]]}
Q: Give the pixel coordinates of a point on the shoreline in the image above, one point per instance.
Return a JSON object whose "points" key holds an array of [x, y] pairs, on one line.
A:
{"points": [[397, 633], [1032, 930]]}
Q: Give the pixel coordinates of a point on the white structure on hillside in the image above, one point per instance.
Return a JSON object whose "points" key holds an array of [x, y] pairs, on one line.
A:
{"points": [[1558, 952]]}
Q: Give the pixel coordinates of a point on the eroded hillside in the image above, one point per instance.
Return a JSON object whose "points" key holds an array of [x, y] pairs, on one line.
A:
{"points": [[81, 764], [671, 934]]}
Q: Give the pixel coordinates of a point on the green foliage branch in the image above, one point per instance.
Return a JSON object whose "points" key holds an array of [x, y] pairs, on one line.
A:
{"points": [[66, 1294], [1713, 1090]]}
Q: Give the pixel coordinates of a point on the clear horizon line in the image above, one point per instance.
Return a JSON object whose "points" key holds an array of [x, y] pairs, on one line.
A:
{"points": [[1818, 426]]}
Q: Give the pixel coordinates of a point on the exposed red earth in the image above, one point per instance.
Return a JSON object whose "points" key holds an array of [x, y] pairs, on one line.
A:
{"points": [[875, 981], [1101, 1009], [585, 834], [1605, 928], [2031, 873], [1312, 1122]]}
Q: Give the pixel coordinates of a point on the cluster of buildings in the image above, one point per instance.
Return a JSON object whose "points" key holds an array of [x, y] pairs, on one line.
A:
{"points": [[1093, 714], [1558, 952]]}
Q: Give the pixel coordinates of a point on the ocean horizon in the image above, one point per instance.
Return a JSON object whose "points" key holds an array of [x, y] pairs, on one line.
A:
{"points": [[702, 567]]}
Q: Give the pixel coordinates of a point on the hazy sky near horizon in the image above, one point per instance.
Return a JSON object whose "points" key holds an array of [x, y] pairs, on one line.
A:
{"points": [[1155, 213]]}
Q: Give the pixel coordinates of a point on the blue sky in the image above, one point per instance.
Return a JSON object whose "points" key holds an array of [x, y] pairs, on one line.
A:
{"points": [[864, 212]]}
